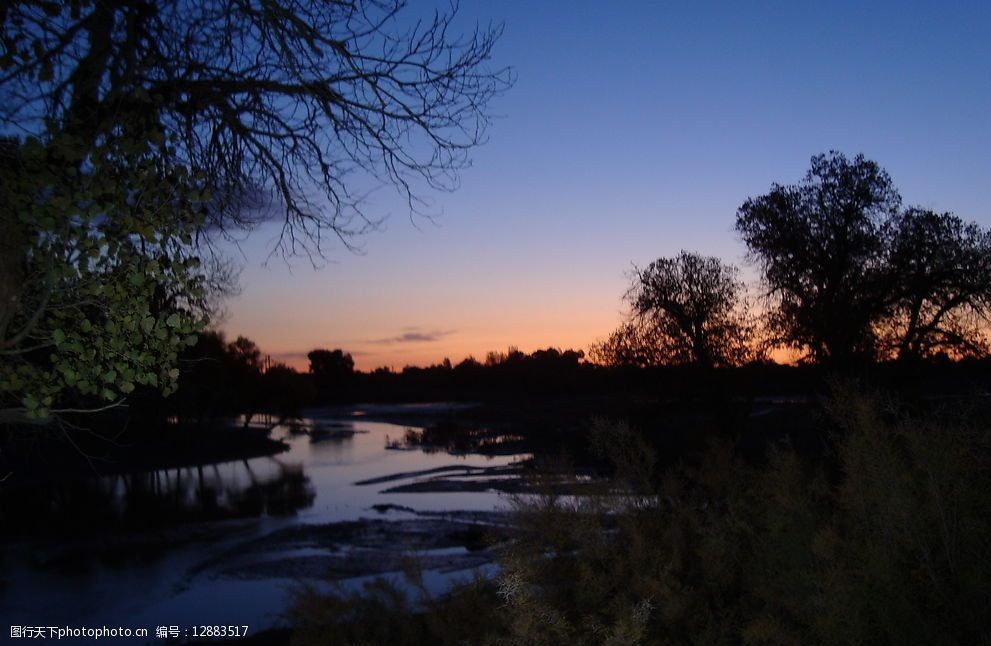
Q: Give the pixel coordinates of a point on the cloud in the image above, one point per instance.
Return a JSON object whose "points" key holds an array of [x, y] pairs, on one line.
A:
{"points": [[414, 335]]}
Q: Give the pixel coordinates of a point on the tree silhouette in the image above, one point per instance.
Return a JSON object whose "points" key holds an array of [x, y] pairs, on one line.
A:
{"points": [[939, 271], [821, 249], [686, 309], [635, 343], [299, 106], [332, 370]]}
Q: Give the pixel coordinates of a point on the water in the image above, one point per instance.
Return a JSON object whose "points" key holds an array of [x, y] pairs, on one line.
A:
{"points": [[177, 535]]}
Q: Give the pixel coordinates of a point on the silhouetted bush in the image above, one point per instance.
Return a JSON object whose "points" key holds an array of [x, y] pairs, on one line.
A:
{"points": [[383, 612], [886, 546]]}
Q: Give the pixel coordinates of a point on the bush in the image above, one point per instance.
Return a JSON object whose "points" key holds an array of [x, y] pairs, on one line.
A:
{"points": [[889, 546]]}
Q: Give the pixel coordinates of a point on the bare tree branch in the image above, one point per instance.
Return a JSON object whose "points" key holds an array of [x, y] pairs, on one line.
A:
{"points": [[294, 108]]}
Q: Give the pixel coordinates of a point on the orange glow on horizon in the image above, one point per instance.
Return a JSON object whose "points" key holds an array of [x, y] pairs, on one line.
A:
{"points": [[434, 353]]}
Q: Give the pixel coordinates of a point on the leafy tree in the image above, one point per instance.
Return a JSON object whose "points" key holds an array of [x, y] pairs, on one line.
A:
{"points": [[298, 107], [851, 275], [285, 391], [100, 289], [332, 370], [245, 353], [821, 248], [686, 309], [206, 392], [940, 275]]}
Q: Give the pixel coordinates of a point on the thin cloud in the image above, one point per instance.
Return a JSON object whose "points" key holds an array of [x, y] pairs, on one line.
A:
{"points": [[413, 335]]}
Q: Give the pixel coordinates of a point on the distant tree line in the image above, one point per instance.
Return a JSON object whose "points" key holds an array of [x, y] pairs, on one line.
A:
{"points": [[335, 379], [848, 277], [222, 380]]}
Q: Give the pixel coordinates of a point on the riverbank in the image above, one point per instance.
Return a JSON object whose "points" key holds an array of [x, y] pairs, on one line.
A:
{"points": [[58, 456]]}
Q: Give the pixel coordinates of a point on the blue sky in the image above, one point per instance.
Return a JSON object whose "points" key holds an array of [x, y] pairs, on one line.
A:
{"points": [[635, 130]]}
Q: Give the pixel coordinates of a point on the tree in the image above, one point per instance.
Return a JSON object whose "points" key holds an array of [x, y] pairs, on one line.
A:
{"points": [[100, 290], [821, 249], [285, 391], [245, 353], [145, 126], [295, 106], [635, 343], [940, 274], [686, 309], [332, 370]]}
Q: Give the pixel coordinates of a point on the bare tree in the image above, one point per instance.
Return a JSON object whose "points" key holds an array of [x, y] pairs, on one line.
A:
{"points": [[939, 271], [275, 104], [636, 343], [686, 309]]}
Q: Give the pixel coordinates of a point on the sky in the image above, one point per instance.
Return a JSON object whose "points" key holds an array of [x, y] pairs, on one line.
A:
{"points": [[634, 130]]}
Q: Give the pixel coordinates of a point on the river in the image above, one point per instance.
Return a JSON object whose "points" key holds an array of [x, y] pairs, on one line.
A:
{"points": [[225, 544]]}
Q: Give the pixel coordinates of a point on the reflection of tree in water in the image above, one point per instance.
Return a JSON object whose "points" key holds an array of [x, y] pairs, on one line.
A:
{"points": [[157, 498], [282, 496], [450, 437]]}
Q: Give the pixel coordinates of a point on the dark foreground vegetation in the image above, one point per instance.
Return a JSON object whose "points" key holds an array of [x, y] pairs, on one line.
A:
{"points": [[883, 539]]}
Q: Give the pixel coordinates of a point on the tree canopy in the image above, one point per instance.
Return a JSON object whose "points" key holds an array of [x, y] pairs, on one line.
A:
{"points": [[940, 275], [332, 370], [852, 276], [288, 108], [820, 247], [100, 291], [685, 309]]}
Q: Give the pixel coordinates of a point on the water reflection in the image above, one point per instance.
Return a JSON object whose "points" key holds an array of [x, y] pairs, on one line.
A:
{"points": [[162, 546], [151, 499], [325, 473], [454, 439]]}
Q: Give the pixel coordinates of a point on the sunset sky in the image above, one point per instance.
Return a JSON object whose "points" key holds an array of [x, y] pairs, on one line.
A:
{"points": [[634, 130]]}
